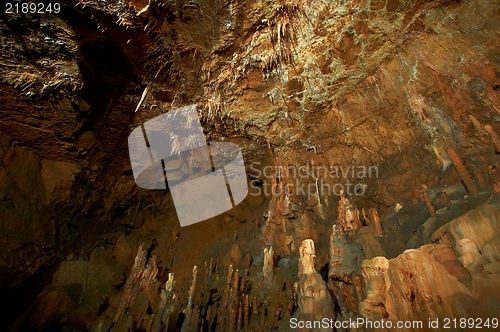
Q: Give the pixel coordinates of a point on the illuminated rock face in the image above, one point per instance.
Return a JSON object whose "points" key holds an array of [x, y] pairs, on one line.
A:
{"points": [[409, 290], [409, 88], [436, 281]]}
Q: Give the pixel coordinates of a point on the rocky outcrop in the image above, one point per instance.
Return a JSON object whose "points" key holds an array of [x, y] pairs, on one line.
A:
{"points": [[479, 226]]}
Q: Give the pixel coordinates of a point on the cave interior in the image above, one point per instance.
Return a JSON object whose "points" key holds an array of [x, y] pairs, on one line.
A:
{"points": [[370, 154]]}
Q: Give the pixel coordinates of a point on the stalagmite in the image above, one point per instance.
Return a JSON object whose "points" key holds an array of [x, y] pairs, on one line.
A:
{"points": [[373, 270], [307, 257], [262, 317], [129, 293], [254, 305], [462, 172], [228, 285], [189, 322], [268, 268], [209, 315], [314, 300], [336, 252], [469, 253], [344, 269], [233, 312], [291, 305], [233, 301], [170, 312], [156, 327], [239, 324], [165, 297], [246, 311], [149, 324], [236, 282], [149, 283]]}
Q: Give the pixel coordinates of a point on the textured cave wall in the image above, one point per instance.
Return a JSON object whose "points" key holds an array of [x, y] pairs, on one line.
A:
{"points": [[332, 83]]}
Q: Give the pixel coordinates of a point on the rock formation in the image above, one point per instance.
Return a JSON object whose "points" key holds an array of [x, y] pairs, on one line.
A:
{"points": [[314, 300]]}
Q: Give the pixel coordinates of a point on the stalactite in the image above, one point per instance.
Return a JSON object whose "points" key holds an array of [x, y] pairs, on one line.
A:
{"points": [[462, 172], [348, 215], [494, 137], [494, 173], [365, 216], [477, 125], [280, 210], [425, 197], [377, 226], [478, 176], [421, 194], [441, 200]]}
